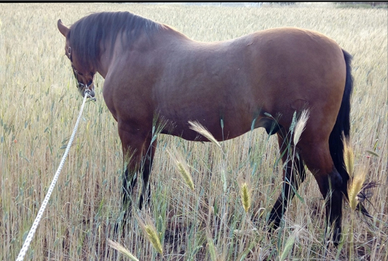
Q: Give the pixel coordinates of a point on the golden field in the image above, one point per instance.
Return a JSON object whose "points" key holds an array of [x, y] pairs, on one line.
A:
{"points": [[40, 103]]}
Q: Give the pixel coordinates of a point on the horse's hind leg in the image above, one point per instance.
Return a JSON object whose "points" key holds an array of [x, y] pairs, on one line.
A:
{"points": [[317, 157], [291, 179]]}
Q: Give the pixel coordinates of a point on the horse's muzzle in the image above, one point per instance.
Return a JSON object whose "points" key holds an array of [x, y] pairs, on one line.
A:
{"points": [[83, 89]]}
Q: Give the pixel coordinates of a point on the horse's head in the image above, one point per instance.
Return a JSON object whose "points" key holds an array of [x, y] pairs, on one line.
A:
{"points": [[84, 76]]}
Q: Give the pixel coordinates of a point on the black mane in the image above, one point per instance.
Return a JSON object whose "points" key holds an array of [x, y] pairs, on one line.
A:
{"points": [[86, 34]]}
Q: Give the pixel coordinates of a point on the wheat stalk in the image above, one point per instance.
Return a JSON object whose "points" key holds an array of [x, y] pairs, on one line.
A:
{"points": [[355, 188], [300, 125], [196, 126], [245, 197], [150, 232], [182, 167], [357, 179], [245, 192], [121, 249], [348, 156]]}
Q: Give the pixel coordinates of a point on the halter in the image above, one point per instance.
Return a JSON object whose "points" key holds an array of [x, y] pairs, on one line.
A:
{"points": [[83, 88]]}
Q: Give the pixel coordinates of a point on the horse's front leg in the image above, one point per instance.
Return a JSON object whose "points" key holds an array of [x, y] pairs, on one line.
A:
{"points": [[148, 159], [293, 175], [137, 157]]}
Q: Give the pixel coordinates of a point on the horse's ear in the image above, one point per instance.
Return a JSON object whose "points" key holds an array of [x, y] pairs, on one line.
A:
{"points": [[62, 28]]}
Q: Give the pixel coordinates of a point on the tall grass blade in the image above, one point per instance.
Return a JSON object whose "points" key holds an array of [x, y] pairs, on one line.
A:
{"points": [[211, 246], [288, 247], [223, 178]]}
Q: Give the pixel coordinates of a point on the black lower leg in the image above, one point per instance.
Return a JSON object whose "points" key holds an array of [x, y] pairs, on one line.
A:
{"points": [[290, 186], [334, 215], [129, 182], [146, 192]]}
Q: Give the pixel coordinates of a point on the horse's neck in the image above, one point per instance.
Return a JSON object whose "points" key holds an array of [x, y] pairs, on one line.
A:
{"points": [[105, 59], [103, 65], [165, 35]]}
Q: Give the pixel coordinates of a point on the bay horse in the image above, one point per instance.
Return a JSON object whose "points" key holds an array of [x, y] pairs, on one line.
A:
{"points": [[152, 71]]}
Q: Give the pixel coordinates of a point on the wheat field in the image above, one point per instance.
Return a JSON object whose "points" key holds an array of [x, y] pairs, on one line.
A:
{"points": [[40, 103]]}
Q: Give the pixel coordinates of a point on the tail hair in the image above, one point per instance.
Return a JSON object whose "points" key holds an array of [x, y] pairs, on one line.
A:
{"points": [[342, 127], [341, 131]]}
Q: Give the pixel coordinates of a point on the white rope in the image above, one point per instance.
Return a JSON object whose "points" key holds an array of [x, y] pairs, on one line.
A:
{"points": [[31, 233]]}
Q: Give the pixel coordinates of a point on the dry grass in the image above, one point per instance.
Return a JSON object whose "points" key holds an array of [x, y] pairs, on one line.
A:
{"points": [[39, 105]]}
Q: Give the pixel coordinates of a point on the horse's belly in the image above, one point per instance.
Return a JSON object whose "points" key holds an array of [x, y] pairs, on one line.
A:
{"points": [[221, 127]]}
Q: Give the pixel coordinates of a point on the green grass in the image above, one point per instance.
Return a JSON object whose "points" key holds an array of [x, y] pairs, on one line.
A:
{"points": [[38, 110]]}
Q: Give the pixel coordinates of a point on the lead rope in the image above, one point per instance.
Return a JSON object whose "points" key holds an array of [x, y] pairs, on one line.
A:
{"points": [[31, 233]]}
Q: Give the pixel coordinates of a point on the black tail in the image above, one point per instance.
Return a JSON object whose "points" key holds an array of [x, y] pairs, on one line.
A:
{"points": [[342, 127]]}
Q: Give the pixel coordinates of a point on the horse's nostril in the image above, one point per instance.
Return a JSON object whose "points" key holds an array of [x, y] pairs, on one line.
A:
{"points": [[91, 93]]}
